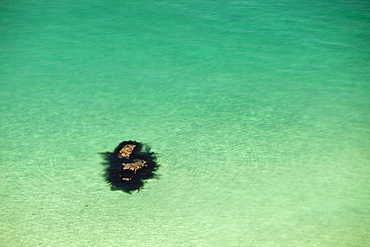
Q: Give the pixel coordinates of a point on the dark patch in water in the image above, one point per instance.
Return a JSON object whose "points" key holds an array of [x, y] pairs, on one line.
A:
{"points": [[129, 166]]}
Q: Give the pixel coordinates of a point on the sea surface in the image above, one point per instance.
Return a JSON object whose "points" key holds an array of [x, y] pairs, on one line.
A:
{"points": [[259, 112]]}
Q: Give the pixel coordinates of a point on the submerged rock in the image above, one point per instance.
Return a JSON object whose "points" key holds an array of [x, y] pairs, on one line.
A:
{"points": [[129, 165]]}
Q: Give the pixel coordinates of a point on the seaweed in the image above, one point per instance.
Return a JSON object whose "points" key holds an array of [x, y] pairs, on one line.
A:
{"points": [[129, 165]]}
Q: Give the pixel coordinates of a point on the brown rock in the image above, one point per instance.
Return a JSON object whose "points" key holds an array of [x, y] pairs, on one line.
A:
{"points": [[134, 166], [126, 151]]}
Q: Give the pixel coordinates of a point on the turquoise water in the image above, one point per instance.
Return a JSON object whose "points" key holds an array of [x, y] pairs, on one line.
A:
{"points": [[258, 110]]}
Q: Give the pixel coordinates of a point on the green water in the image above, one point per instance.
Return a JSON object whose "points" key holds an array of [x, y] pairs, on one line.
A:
{"points": [[259, 111]]}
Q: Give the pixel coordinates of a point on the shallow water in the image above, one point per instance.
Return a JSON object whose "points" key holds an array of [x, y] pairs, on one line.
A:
{"points": [[259, 113]]}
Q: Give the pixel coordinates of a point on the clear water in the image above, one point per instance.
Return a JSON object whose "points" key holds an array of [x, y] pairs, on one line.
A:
{"points": [[259, 111]]}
